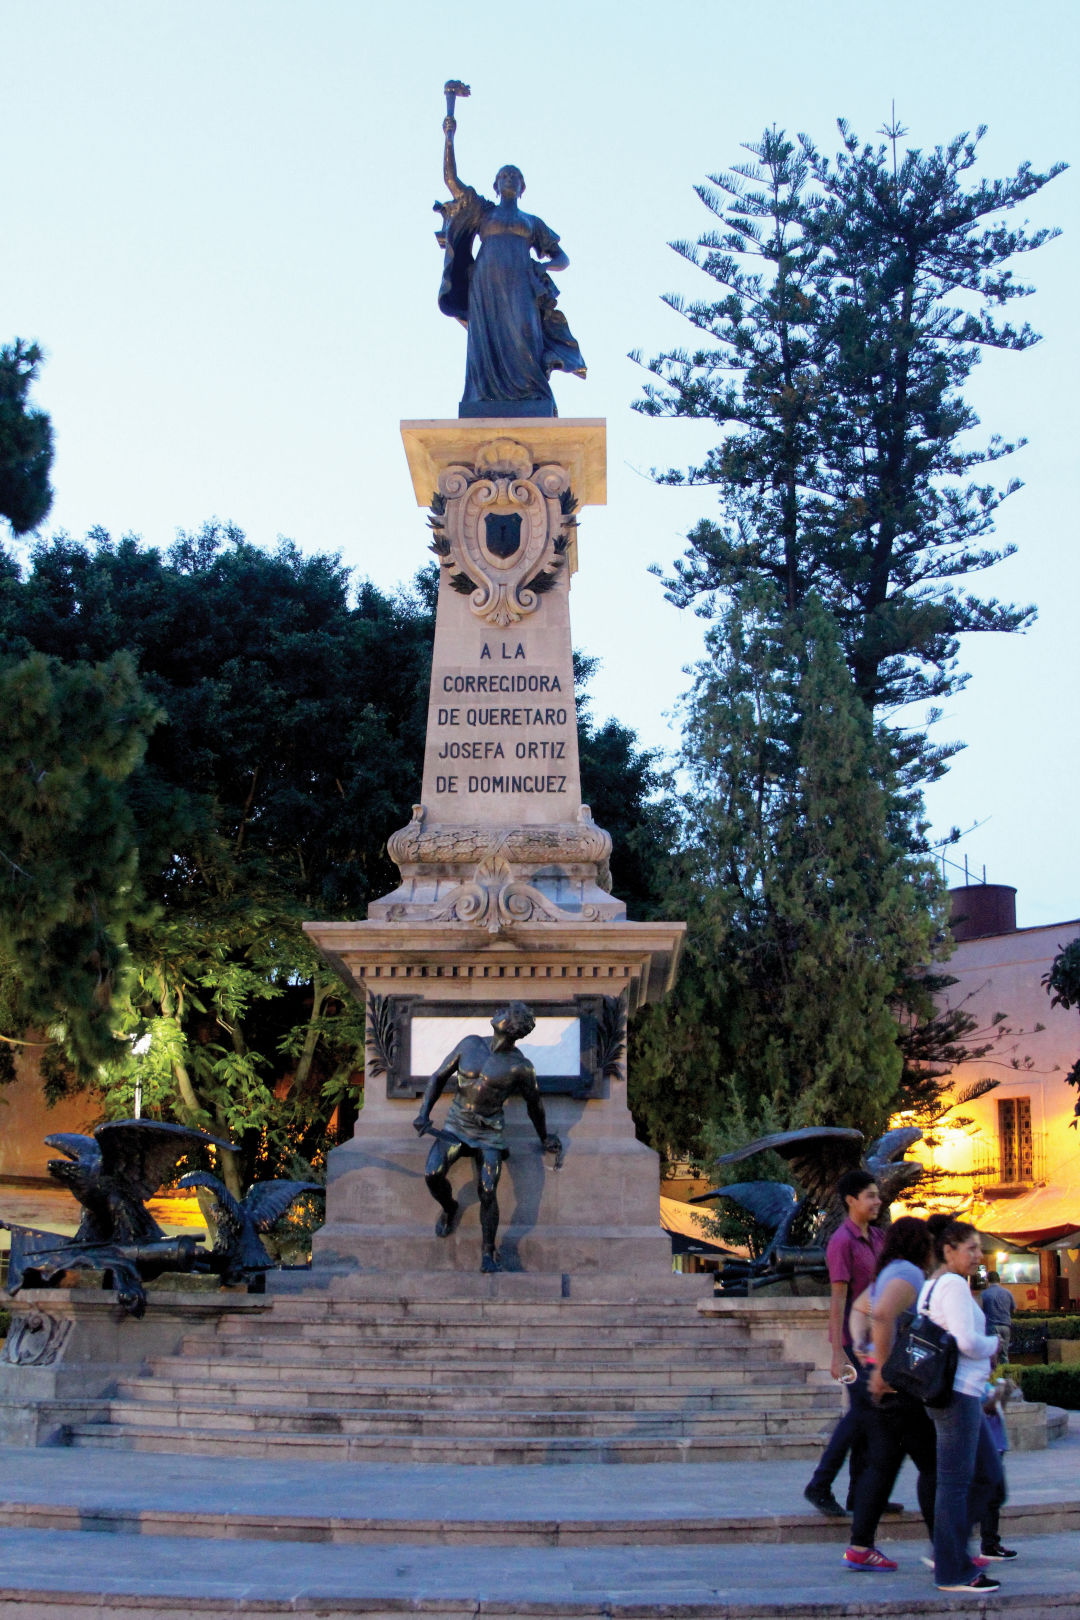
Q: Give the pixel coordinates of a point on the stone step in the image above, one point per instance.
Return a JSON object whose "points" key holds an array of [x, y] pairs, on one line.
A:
{"points": [[302, 1308], [475, 1420], [349, 1374], [472, 1405], [692, 1337], [89, 1575], [424, 1350], [283, 1445], [513, 1290], [57, 1488], [250, 1520], [376, 1373]]}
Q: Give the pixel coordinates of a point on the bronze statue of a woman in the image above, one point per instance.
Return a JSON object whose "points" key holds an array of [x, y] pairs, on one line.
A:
{"points": [[503, 295]]}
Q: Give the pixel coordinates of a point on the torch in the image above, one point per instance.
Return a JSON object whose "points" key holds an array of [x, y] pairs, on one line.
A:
{"points": [[451, 90]]}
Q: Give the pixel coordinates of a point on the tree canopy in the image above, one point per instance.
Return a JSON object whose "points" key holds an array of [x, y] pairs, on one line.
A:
{"points": [[282, 708], [26, 443], [71, 737], [805, 900], [857, 295]]}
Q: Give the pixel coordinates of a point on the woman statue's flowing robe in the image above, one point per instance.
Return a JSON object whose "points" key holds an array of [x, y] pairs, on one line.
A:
{"points": [[517, 336]]}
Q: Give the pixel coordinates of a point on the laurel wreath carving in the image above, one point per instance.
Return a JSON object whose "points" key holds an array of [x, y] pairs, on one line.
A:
{"points": [[381, 1035], [611, 1035], [540, 583]]}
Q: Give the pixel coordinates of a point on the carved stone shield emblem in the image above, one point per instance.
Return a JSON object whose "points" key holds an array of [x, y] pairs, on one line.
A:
{"points": [[503, 533], [503, 525]]}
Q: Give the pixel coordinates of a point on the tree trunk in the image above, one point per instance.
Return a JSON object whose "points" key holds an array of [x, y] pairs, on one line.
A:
{"points": [[320, 995]]}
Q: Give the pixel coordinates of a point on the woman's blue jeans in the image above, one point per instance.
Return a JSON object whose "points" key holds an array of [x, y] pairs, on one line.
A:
{"points": [[969, 1477]]}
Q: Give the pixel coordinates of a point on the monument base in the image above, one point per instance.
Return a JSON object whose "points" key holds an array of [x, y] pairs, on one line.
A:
{"points": [[597, 1213], [594, 1217]]}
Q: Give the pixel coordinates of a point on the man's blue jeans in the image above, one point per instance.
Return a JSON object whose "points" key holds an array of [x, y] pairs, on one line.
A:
{"points": [[969, 1478], [847, 1436]]}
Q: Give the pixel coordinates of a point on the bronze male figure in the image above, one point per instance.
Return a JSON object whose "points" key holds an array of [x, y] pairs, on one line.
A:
{"points": [[486, 1070]]}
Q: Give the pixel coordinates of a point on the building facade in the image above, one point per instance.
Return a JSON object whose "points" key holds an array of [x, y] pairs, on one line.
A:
{"points": [[1009, 1159]]}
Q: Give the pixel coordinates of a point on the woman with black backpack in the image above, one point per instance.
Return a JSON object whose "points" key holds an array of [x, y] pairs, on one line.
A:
{"points": [[969, 1473], [895, 1424]]}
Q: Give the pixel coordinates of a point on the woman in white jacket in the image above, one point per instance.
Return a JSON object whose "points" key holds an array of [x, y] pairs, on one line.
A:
{"points": [[969, 1473]]}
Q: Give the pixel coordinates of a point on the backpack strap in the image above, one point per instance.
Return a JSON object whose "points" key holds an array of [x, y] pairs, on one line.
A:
{"points": [[926, 1308]]}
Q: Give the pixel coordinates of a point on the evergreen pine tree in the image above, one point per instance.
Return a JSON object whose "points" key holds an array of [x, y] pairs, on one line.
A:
{"points": [[857, 297], [26, 445], [805, 907]]}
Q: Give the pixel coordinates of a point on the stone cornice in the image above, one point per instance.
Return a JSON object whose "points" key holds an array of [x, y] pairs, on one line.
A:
{"points": [[544, 960], [577, 443]]}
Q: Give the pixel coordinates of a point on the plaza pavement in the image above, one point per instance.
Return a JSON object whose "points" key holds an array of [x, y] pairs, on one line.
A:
{"points": [[87, 1535]]}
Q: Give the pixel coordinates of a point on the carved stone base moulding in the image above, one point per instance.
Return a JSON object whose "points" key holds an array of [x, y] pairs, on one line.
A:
{"points": [[500, 877], [533, 962]]}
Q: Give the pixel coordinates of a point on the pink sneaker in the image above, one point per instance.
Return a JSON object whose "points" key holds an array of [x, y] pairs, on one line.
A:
{"points": [[980, 1561], [868, 1558]]}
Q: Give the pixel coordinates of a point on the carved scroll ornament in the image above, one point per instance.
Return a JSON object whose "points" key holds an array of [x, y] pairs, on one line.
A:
{"points": [[502, 527], [36, 1340], [494, 899]]}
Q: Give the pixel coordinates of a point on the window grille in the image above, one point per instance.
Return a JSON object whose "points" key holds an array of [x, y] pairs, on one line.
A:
{"points": [[1015, 1140]]}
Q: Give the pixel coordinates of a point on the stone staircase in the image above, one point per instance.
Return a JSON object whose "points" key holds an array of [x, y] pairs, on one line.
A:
{"points": [[495, 1381]]}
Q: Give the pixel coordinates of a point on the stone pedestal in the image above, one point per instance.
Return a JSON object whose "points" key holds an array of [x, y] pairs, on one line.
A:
{"points": [[504, 895], [66, 1347]]}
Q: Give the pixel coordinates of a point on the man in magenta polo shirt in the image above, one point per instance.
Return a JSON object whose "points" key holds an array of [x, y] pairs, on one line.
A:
{"points": [[851, 1257]]}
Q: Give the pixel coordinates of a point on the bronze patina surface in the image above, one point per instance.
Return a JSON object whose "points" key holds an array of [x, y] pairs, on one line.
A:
{"points": [[496, 281], [486, 1070]]}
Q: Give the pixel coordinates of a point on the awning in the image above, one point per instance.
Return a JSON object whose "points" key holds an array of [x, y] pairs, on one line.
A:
{"points": [[1039, 1216], [1071, 1240], [997, 1242], [687, 1221]]}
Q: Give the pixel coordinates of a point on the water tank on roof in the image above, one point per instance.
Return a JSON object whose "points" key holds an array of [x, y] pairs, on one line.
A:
{"points": [[978, 909]]}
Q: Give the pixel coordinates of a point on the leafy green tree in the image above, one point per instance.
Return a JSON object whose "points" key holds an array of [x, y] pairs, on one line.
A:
{"points": [[856, 297], [291, 734], [804, 900], [294, 712], [70, 738], [289, 746], [26, 445]]}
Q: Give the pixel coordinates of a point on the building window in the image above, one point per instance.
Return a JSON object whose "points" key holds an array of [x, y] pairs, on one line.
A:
{"points": [[1014, 1137]]}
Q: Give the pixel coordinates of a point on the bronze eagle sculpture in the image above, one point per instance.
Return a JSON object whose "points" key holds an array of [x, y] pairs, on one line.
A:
{"points": [[819, 1155], [238, 1254], [113, 1172]]}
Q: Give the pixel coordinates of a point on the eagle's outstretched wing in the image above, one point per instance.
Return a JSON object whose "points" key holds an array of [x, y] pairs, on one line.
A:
{"points": [[818, 1155], [769, 1202], [266, 1201], [143, 1153], [230, 1217]]}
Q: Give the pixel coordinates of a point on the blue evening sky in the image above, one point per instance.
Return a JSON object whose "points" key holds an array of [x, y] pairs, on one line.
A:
{"points": [[218, 224]]}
